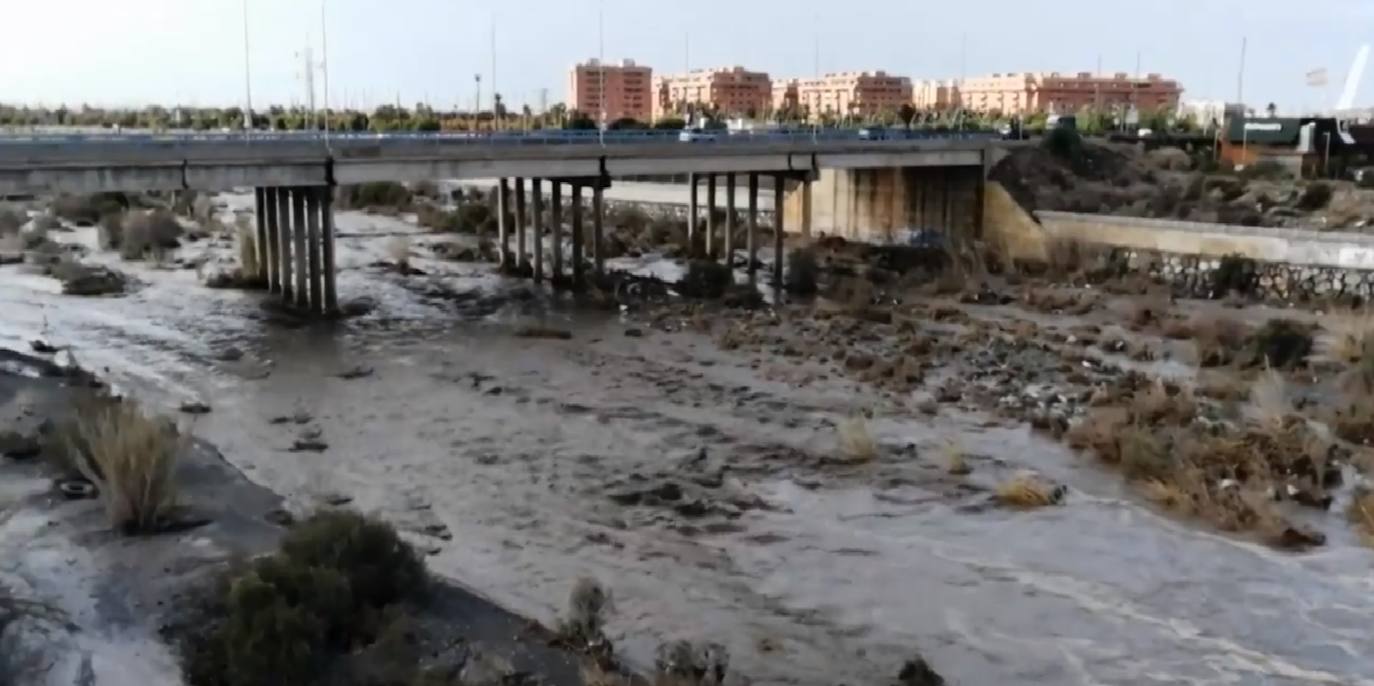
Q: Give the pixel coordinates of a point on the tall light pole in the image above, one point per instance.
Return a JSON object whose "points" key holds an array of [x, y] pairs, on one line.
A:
{"points": [[247, 77], [601, 60], [324, 65], [495, 95]]}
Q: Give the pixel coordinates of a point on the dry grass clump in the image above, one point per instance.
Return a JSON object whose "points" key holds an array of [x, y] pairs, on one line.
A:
{"points": [[1217, 337], [956, 461], [1268, 406], [247, 242], [1361, 513], [686, 663], [1346, 339], [1069, 257], [855, 442], [1027, 491], [398, 250], [131, 458], [583, 629], [149, 234], [1056, 300], [1148, 310]]}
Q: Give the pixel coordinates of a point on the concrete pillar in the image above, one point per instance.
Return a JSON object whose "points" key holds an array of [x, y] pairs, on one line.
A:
{"points": [[728, 251], [288, 285], [538, 198], [312, 224], [692, 211], [806, 208], [271, 246], [520, 220], [751, 238], [778, 214], [598, 240], [503, 222], [331, 294], [577, 235], [260, 236], [556, 219], [298, 249], [710, 216]]}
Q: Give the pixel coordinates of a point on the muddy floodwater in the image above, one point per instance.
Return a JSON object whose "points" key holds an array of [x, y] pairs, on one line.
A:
{"points": [[515, 462]]}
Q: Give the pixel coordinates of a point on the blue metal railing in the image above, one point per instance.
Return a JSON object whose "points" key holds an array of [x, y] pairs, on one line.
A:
{"points": [[533, 137]]}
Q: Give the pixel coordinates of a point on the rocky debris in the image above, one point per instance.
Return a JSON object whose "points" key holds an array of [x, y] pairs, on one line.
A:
{"points": [[309, 445], [195, 407], [1299, 537], [298, 417], [83, 280], [634, 333], [543, 332], [916, 672], [229, 354], [704, 664], [19, 446], [357, 307], [358, 372], [42, 347]]}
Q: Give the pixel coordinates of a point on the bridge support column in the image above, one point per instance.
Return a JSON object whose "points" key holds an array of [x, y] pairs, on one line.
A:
{"points": [[298, 235], [806, 208], [520, 221], [598, 221], [331, 294], [314, 240], [284, 231], [538, 198], [779, 191], [751, 237], [577, 235], [728, 248], [271, 246], [692, 212], [710, 251], [556, 220], [260, 234], [503, 222]]}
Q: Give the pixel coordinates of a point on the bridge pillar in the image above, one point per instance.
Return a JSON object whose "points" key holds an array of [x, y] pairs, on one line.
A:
{"points": [[752, 231], [577, 234], [271, 247], [710, 216], [556, 220], [325, 195], [729, 243], [779, 189], [503, 222], [692, 212], [260, 234], [284, 244], [315, 241], [299, 249], [806, 207], [598, 241], [520, 261], [538, 198]]}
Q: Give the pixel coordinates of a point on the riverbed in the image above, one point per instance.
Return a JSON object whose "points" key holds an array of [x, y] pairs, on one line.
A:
{"points": [[808, 572]]}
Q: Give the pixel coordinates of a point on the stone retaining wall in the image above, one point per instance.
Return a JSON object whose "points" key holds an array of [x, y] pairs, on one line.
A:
{"points": [[1197, 276]]}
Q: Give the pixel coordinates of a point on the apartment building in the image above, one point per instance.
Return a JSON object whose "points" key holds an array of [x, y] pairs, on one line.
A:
{"points": [[935, 95], [786, 97], [621, 90], [854, 94], [1027, 93], [732, 92]]}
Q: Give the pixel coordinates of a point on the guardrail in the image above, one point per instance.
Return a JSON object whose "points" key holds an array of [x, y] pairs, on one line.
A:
{"points": [[515, 138]]}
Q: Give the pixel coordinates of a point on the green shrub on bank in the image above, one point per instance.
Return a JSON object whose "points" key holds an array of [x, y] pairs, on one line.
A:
{"points": [[380, 194], [331, 591]]}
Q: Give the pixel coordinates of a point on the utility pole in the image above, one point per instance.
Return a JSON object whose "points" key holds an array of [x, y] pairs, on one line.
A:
{"points": [[601, 61], [495, 94], [247, 76], [477, 102], [324, 66], [1240, 77], [309, 65]]}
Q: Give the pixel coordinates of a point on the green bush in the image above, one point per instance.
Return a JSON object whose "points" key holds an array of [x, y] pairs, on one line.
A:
{"points": [[380, 567], [476, 217], [803, 272], [706, 279], [331, 591], [1316, 196], [388, 194], [1066, 144], [437, 219], [1234, 274], [149, 232], [1279, 344], [88, 209]]}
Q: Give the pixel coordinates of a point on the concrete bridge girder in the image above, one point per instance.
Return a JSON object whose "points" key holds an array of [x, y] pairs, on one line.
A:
{"points": [[930, 158], [223, 177], [54, 180], [353, 171]]}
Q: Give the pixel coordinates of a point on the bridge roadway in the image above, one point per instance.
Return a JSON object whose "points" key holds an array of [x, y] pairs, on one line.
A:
{"points": [[40, 165], [293, 176]]}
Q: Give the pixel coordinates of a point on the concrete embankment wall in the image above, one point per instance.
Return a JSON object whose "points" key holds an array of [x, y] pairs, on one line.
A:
{"points": [[890, 205], [1280, 263]]}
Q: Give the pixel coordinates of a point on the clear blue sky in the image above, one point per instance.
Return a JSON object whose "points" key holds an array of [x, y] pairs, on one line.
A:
{"points": [[131, 52]]}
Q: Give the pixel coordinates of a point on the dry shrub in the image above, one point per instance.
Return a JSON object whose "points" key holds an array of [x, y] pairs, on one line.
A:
{"points": [[1346, 339], [149, 233], [1361, 513], [1217, 337], [686, 663], [398, 250], [247, 242], [11, 221], [110, 233], [1268, 405], [1053, 300], [1353, 419], [1069, 257], [583, 629], [131, 458], [855, 442], [1028, 491], [1280, 343], [1163, 402], [956, 461]]}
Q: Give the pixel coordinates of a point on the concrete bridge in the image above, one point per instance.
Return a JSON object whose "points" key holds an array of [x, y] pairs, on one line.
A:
{"points": [[293, 175]]}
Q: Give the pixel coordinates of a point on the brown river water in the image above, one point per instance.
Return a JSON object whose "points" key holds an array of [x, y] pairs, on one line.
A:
{"points": [[512, 445]]}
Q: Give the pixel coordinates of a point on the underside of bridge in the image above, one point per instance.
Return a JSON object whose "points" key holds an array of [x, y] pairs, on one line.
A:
{"points": [[891, 205]]}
